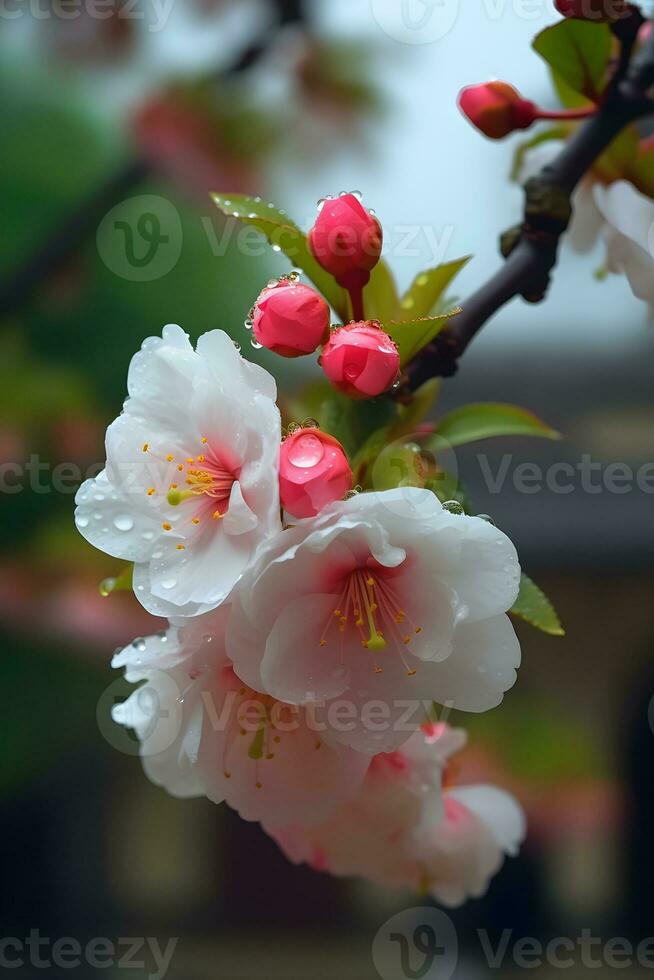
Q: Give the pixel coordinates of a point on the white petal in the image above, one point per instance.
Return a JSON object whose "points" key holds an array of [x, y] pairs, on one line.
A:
{"points": [[107, 519], [239, 518], [499, 811], [480, 669]]}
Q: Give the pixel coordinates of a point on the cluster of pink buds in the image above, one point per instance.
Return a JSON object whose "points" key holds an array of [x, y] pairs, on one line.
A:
{"points": [[292, 319]]}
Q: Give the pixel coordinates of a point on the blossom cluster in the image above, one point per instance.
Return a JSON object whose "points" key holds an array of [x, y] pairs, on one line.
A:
{"points": [[312, 627]]}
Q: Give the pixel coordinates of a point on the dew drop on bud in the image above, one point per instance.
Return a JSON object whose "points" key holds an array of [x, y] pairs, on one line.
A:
{"points": [[276, 248], [253, 343], [310, 424], [107, 586], [237, 345], [453, 507]]}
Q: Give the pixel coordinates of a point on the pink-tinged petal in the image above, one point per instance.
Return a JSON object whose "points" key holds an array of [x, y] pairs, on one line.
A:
{"points": [[244, 644], [296, 666]]}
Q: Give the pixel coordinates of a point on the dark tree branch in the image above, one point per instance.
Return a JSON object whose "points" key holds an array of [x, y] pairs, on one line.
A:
{"points": [[531, 250]]}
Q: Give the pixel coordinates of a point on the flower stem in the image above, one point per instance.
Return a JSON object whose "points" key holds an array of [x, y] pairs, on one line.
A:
{"points": [[356, 302], [567, 115]]}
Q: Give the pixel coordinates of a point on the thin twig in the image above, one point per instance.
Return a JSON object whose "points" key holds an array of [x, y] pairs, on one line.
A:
{"points": [[531, 250]]}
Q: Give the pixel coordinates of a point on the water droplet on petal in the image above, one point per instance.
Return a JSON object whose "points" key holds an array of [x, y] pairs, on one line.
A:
{"points": [[169, 583], [123, 522], [453, 507], [82, 521]]}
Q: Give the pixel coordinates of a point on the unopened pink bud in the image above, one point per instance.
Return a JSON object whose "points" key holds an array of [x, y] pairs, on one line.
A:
{"points": [[346, 240], [290, 319], [313, 472], [361, 360], [496, 109], [597, 10]]}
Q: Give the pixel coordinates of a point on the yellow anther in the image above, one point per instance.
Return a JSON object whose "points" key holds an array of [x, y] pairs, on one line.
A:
{"points": [[323, 643], [204, 440], [180, 467], [411, 673], [146, 446], [181, 547], [173, 486], [370, 582], [201, 459], [217, 516], [406, 640], [379, 670], [418, 629], [166, 526], [151, 492], [190, 460], [195, 520], [170, 457]]}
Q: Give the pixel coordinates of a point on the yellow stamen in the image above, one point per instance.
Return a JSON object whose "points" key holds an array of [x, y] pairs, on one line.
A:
{"points": [[146, 446], [166, 526]]}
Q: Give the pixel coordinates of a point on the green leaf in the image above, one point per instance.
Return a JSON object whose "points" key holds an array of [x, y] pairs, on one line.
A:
{"points": [[282, 232], [544, 136], [428, 287], [487, 420], [121, 583], [412, 335], [535, 608], [579, 52], [412, 414], [380, 297]]}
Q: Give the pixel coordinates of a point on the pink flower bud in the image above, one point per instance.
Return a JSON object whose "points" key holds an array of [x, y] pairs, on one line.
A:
{"points": [[496, 109], [313, 472], [598, 10], [290, 319], [361, 360], [346, 240]]}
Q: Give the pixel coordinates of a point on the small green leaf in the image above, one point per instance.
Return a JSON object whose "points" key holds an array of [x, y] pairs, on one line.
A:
{"points": [[535, 608], [412, 335], [380, 297], [487, 420], [121, 583], [579, 52], [412, 414], [282, 232], [428, 287]]}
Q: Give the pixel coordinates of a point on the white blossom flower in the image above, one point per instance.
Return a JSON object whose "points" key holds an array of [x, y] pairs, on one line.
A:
{"points": [[629, 235], [383, 599], [203, 732], [191, 482], [411, 827]]}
